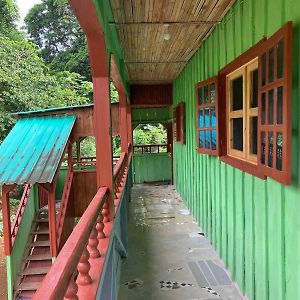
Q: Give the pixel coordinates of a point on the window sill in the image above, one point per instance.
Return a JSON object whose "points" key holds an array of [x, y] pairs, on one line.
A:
{"points": [[243, 166]]}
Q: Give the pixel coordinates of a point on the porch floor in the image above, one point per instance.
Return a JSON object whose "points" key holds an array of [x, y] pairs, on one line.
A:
{"points": [[168, 258]]}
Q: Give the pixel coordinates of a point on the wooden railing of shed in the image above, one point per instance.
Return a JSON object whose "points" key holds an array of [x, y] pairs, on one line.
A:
{"points": [[20, 212], [83, 245]]}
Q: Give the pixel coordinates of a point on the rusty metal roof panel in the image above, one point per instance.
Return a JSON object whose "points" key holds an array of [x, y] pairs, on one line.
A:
{"points": [[33, 149]]}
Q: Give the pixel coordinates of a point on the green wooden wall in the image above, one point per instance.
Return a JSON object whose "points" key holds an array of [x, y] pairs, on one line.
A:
{"points": [[15, 260], [152, 167], [254, 224]]}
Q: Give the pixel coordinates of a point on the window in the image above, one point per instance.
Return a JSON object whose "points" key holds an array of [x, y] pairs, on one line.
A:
{"points": [[255, 108], [179, 123], [207, 112], [242, 111]]}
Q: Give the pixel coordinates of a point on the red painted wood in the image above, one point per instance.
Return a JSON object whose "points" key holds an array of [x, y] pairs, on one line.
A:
{"points": [[57, 280], [159, 95], [20, 212], [123, 121], [86, 15], [6, 218], [103, 137], [129, 125]]}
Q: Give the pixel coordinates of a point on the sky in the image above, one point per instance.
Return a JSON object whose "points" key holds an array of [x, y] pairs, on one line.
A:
{"points": [[24, 7]]}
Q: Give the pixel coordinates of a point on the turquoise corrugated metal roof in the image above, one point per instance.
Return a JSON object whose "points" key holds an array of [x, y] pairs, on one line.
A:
{"points": [[53, 109], [33, 149]]}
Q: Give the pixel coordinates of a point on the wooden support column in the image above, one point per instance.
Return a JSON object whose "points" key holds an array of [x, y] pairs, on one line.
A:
{"points": [[129, 125], [123, 121], [103, 138], [6, 218]]}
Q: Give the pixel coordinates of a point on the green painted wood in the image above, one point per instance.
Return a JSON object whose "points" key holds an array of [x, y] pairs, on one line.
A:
{"points": [[151, 167], [253, 224], [15, 260]]}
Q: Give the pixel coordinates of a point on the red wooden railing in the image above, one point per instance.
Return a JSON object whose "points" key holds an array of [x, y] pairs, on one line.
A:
{"points": [[75, 254], [20, 212], [150, 149], [64, 204], [120, 173]]}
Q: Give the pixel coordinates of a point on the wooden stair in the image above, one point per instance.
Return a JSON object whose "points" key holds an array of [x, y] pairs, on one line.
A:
{"points": [[37, 259]]}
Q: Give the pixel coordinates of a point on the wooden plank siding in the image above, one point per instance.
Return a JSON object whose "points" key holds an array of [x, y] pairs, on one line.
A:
{"points": [[253, 223]]}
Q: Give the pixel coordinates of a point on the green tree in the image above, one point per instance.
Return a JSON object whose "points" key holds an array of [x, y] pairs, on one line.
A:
{"points": [[26, 84], [8, 17], [52, 26], [146, 134]]}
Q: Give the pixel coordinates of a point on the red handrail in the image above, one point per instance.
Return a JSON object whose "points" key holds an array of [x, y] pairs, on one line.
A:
{"points": [[73, 254], [64, 205], [20, 212]]}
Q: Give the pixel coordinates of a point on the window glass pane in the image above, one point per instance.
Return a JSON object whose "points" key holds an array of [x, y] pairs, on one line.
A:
{"points": [[213, 139], [253, 135], [280, 59], [271, 65], [207, 139], [279, 151], [206, 118], [201, 118], [271, 107], [279, 105], [254, 88], [270, 149], [263, 69], [237, 138], [200, 96], [206, 94], [263, 147], [237, 93], [263, 108], [201, 139], [213, 117], [212, 93]]}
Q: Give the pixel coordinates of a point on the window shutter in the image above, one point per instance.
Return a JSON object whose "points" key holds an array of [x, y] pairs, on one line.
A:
{"points": [[274, 106], [207, 116], [179, 123]]}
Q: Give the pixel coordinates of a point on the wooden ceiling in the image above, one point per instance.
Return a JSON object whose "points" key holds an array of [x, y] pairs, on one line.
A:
{"points": [[142, 26]]}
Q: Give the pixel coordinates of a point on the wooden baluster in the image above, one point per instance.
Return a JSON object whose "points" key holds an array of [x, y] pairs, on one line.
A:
{"points": [[93, 244], [105, 212], [83, 268], [71, 293], [100, 227]]}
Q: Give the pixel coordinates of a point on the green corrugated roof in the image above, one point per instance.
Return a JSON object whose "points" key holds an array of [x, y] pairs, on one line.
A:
{"points": [[45, 110], [33, 149]]}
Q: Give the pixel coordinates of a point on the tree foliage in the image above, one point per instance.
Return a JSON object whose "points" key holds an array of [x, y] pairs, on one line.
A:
{"points": [[52, 26], [26, 84], [8, 17], [150, 134]]}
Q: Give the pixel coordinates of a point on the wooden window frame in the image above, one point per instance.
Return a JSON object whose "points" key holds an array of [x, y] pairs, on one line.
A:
{"points": [[260, 170], [179, 123], [246, 113], [285, 128], [202, 84], [243, 59]]}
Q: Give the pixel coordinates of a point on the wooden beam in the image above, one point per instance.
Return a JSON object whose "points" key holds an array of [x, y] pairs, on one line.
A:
{"points": [[6, 189], [164, 23], [123, 121]]}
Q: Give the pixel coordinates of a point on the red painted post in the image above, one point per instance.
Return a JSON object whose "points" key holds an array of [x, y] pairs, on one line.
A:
{"points": [[52, 218], [123, 121], [93, 244], [100, 227], [83, 268], [103, 138], [6, 218], [129, 125]]}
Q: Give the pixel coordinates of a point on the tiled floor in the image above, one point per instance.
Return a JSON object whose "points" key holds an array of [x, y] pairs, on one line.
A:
{"points": [[168, 258]]}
